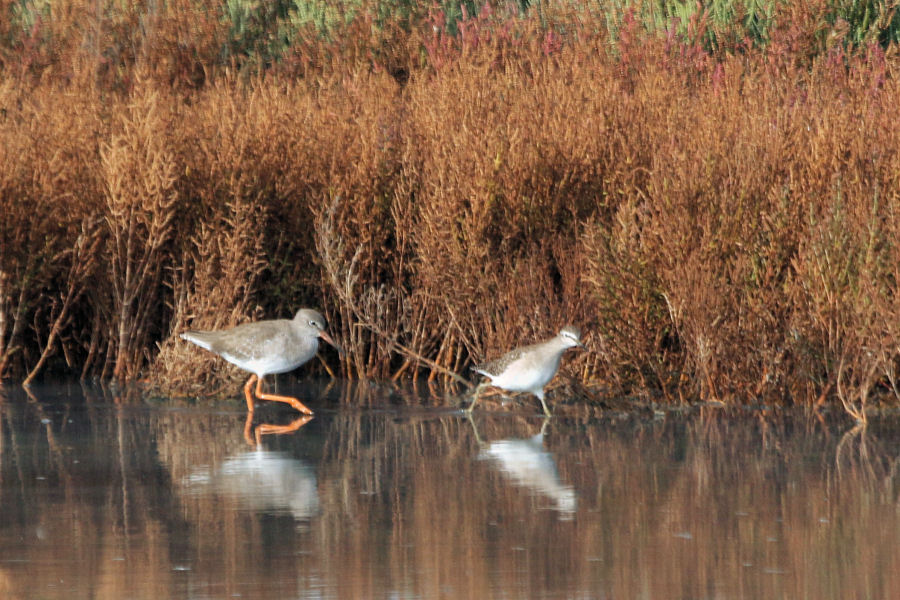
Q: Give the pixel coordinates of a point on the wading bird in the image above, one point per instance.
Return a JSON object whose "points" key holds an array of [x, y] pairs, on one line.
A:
{"points": [[530, 368], [267, 348]]}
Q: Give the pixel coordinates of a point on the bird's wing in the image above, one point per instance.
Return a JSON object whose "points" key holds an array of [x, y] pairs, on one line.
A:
{"points": [[246, 342], [496, 366]]}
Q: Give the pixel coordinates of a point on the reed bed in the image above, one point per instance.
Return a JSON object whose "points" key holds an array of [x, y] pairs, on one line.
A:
{"points": [[719, 218]]}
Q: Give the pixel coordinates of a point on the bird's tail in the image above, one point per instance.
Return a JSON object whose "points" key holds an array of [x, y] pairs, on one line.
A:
{"points": [[201, 338]]}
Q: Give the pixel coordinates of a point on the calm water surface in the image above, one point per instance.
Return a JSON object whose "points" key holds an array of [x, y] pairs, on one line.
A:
{"points": [[108, 497]]}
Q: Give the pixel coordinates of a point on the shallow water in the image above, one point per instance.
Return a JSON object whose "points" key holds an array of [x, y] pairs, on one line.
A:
{"points": [[103, 496]]}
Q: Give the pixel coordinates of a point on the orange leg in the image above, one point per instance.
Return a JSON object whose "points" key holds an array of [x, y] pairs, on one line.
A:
{"points": [[247, 387], [290, 400], [268, 428], [248, 428]]}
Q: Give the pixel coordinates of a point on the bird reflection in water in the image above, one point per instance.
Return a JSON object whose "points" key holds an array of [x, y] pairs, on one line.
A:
{"points": [[253, 435], [262, 480], [529, 466]]}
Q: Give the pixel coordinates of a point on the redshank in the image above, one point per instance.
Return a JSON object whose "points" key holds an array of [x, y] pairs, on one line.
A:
{"points": [[266, 348]]}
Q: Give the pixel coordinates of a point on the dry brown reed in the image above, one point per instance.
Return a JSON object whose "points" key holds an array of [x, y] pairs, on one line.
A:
{"points": [[139, 173], [721, 226], [49, 202]]}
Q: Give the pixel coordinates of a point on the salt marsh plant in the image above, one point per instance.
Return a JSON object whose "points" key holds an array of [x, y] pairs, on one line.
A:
{"points": [[718, 217], [138, 170]]}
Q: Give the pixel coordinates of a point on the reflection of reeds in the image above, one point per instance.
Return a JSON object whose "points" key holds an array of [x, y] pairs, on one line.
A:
{"points": [[762, 506]]}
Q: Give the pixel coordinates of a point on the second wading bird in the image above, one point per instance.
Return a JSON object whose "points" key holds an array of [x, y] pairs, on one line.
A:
{"points": [[267, 348], [529, 368]]}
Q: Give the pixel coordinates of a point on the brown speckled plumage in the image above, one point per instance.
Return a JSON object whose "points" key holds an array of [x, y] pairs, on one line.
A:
{"points": [[529, 368]]}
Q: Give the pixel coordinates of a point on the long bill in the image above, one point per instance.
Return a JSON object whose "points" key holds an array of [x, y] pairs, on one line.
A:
{"points": [[324, 335]]}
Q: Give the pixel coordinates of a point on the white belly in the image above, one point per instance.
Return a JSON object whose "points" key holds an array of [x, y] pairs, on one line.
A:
{"points": [[269, 365], [526, 376]]}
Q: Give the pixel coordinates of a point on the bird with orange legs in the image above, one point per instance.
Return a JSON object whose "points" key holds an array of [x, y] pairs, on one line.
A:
{"points": [[267, 348]]}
